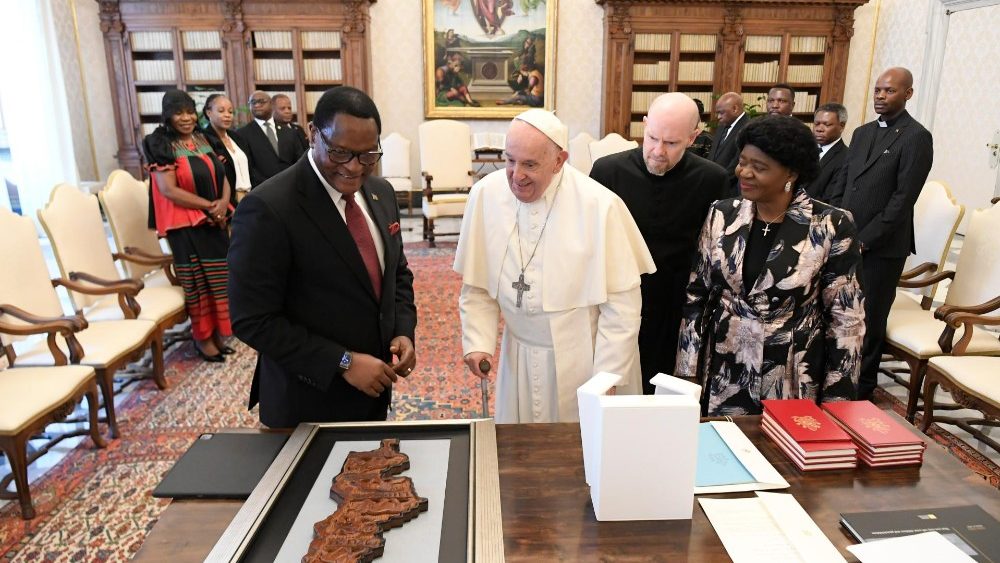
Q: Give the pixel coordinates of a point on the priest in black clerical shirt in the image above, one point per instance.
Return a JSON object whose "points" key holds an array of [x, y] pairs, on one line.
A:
{"points": [[668, 191]]}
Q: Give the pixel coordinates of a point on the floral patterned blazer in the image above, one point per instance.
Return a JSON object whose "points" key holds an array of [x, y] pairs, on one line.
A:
{"points": [[793, 333]]}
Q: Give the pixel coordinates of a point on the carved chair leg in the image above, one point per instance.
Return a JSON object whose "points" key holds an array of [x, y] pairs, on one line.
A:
{"points": [[425, 228], [95, 427], [158, 370], [917, 370], [106, 379], [430, 233], [930, 385], [15, 447]]}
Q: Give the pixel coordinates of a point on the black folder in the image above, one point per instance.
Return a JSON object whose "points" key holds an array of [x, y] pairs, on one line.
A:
{"points": [[224, 465]]}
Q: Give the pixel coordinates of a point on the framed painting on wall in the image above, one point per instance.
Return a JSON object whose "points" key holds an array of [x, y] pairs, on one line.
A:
{"points": [[488, 59]]}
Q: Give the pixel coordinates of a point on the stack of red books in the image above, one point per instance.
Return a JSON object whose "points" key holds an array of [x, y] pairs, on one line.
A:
{"points": [[807, 435], [881, 440]]}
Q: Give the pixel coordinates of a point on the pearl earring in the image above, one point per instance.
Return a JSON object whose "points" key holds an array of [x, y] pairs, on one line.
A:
{"points": [[788, 186]]}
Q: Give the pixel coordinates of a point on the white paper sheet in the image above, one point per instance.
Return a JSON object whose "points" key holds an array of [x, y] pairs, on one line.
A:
{"points": [[772, 527], [766, 476], [928, 547], [417, 540]]}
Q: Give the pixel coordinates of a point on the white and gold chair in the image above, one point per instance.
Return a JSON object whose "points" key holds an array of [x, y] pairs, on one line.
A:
{"points": [[446, 166], [31, 399], [29, 307], [125, 201], [579, 152], [396, 168], [915, 336], [611, 143]]}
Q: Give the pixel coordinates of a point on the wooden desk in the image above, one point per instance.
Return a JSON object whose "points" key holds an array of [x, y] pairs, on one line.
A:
{"points": [[547, 514]]}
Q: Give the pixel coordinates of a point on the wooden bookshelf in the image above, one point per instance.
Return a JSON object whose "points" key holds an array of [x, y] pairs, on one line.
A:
{"points": [[708, 47], [231, 46]]}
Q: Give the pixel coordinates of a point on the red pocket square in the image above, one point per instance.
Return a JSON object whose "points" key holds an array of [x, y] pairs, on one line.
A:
{"points": [[393, 228]]}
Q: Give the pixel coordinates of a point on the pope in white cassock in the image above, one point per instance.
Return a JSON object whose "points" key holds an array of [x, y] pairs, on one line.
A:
{"points": [[559, 255]]}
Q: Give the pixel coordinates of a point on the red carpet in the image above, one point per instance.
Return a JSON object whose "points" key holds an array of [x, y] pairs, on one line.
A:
{"points": [[95, 505]]}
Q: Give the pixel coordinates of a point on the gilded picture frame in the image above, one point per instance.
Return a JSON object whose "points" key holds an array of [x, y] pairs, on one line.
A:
{"points": [[488, 59]]}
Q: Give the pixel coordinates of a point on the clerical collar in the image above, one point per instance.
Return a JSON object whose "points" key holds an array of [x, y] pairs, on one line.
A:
{"points": [[888, 122]]}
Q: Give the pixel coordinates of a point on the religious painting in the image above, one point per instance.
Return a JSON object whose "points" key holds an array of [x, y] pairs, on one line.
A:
{"points": [[488, 59]]}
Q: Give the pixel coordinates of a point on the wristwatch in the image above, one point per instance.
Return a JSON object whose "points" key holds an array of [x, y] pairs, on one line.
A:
{"points": [[345, 361]]}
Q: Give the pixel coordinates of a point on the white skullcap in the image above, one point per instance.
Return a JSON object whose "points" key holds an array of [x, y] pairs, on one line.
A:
{"points": [[548, 124]]}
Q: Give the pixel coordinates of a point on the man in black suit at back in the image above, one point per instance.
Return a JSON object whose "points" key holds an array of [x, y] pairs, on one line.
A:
{"points": [[284, 118], [271, 148], [828, 126], [318, 282], [886, 167], [732, 118]]}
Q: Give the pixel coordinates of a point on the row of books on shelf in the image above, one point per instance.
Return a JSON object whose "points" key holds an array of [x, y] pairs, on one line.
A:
{"points": [[155, 71], [151, 41], [698, 42], [320, 39], [274, 69], [322, 69], [198, 69], [694, 71], [763, 44], [809, 44], [761, 72], [797, 45], [805, 73], [642, 100], [150, 103], [651, 71], [201, 40], [652, 42], [804, 102], [839, 435], [272, 39]]}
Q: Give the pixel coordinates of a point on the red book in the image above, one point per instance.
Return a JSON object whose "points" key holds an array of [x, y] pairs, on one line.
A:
{"points": [[806, 423], [838, 462], [872, 426], [808, 450]]}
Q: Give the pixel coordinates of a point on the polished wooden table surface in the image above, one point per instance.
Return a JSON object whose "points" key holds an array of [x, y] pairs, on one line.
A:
{"points": [[547, 513]]}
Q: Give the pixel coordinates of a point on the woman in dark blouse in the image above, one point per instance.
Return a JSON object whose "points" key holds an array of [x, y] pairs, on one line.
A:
{"points": [[774, 307], [190, 206]]}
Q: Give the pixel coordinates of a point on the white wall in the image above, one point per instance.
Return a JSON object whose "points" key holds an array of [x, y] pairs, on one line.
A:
{"points": [[398, 75]]}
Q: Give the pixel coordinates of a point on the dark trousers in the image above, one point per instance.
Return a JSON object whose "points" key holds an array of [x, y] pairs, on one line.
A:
{"points": [[879, 277], [663, 296]]}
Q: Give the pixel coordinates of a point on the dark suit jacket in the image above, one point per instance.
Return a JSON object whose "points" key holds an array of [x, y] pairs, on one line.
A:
{"points": [[220, 149], [880, 190], [830, 168], [264, 163], [725, 154], [299, 294], [300, 135]]}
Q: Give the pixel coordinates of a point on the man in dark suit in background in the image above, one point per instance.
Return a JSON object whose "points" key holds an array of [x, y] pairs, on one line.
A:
{"points": [[284, 117], [271, 149], [732, 118], [886, 167], [318, 282], [828, 127]]}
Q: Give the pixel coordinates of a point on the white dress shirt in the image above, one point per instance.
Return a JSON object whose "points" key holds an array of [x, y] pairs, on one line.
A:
{"points": [[341, 205], [731, 125], [823, 149]]}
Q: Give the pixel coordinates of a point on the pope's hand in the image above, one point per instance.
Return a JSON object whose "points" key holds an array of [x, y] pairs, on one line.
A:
{"points": [[473, 359], [369, 375]]}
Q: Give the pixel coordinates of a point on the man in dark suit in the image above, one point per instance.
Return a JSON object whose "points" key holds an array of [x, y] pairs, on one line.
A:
{"points": [[886, 167], [828, 126], [284, 117], [732, 118], [271, 149], [318, 282]]}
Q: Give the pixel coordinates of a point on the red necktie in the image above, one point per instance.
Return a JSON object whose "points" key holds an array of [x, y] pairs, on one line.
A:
{"points": [[358, 227]]}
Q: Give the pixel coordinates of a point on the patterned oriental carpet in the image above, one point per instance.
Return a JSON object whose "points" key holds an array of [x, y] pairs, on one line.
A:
{"points": [[96, 505]]}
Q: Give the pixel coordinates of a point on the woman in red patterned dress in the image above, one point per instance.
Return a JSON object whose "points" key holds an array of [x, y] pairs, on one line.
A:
{"points": [[190, 206]]}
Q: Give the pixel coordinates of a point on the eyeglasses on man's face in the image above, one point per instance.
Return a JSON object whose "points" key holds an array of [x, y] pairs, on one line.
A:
{"points": [[343, 156]]}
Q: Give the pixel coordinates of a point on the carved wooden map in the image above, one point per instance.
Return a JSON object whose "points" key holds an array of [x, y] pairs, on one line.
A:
{"points": [[371, 499]]}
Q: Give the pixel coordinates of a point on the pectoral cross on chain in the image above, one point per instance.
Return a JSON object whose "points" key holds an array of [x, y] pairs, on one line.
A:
{"points": [[521, 287]]}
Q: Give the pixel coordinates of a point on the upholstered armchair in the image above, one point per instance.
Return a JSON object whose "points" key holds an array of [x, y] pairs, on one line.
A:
{"points": [[32, 398], [125, 201], [579, 152], [396, 168], [30, 314], [446, 166], [611, 143], [916, 336]]}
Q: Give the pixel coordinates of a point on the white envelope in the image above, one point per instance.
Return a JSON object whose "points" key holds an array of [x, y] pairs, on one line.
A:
{"points": [[765, 475]]}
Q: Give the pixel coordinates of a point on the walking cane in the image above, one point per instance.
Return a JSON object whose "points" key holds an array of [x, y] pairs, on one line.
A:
{"points": [[484, 386]]}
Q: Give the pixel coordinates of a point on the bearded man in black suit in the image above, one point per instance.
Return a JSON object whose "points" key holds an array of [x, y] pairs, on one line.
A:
{"points": [[886, 167], [318, 282]]}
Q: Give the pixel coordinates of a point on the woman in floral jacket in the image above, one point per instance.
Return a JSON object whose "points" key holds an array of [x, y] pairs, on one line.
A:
{"points": [[774, 307]]}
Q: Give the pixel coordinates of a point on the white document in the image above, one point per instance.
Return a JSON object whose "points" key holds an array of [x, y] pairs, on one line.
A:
{"points": [[670, 385], [416, 541], [772, 527], [765, 475], [928, 547]]}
